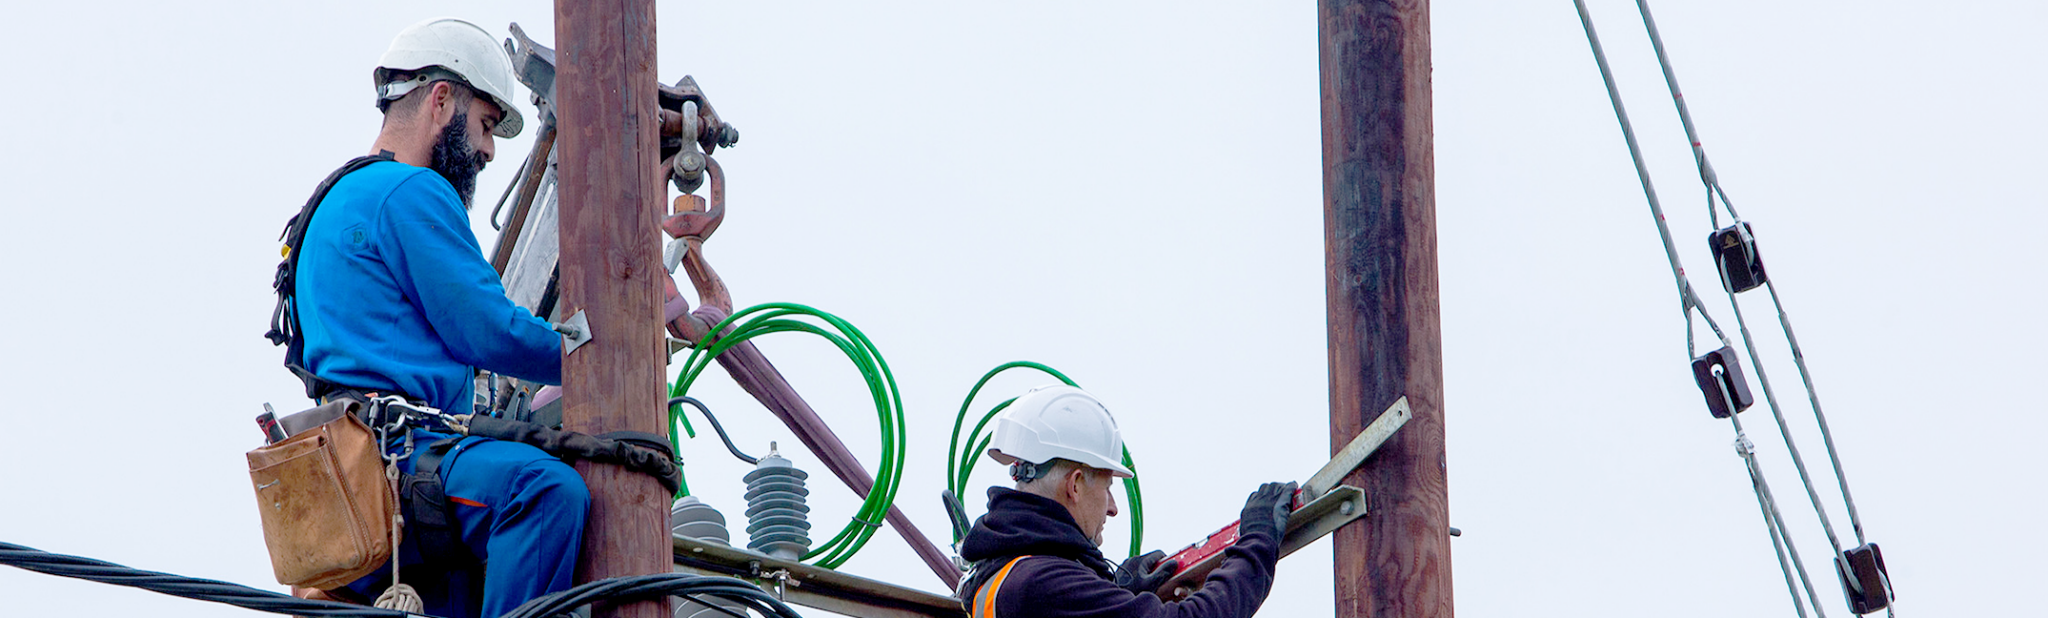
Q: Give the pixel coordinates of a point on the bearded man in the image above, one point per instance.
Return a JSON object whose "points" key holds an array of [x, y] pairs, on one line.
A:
{"points": [[395, 298]]}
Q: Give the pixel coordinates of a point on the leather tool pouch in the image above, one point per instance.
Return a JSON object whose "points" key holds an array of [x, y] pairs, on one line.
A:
{"points": [[325, 502]]}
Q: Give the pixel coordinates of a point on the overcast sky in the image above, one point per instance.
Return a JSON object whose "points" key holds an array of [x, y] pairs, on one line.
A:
{"points": [[1130, 192]]}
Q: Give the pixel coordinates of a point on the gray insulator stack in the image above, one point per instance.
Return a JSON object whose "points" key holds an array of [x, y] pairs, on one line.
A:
{"points": [[777, 519], [691, 518]]}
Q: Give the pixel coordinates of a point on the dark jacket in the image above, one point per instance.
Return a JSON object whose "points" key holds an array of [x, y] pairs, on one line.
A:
{"points": [[1070, 578]]}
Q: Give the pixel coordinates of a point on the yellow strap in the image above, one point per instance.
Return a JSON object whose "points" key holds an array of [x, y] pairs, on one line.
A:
{"points": [[985, 599]]}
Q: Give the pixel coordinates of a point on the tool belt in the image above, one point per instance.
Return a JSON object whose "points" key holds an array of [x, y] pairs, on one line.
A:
{"points": [[357, 499], [325, 501]]}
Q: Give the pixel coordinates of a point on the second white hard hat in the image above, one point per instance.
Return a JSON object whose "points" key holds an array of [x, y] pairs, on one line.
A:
{"points": [[1059, 422], [461, 48]]}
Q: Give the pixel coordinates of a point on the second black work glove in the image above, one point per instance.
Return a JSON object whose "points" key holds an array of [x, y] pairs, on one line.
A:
{"points": [[1146, 573], [1266, 511]]}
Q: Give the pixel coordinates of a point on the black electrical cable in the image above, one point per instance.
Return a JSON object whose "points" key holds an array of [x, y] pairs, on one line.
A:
{"points": [[714, 426], [658, 585], [180, 586], [688, 586]]}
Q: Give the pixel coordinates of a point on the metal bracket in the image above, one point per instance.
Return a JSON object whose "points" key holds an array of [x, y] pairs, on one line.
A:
{"points": [[575, 332], [1354, 454], [1341, 505]]}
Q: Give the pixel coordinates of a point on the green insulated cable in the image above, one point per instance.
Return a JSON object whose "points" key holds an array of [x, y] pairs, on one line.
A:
{"points": [[960, 463], [770, 318]]}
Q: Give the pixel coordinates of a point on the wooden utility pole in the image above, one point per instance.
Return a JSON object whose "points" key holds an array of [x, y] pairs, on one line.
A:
{"points": [[611, 270], [1379, 232]]}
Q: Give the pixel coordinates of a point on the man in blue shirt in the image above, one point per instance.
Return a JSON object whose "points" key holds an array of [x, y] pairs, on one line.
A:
{"points": [[394, 297]]}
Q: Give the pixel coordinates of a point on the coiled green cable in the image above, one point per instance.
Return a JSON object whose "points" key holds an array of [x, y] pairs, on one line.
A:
{"points": [[960, 463], [778, 318]]}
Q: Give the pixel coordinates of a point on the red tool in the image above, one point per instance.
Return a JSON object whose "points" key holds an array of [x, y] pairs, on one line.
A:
{"points": [[1316, 499]]}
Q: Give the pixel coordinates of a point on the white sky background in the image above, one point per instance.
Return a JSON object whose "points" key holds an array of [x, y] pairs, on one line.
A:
{"points": [[1129, 192]]}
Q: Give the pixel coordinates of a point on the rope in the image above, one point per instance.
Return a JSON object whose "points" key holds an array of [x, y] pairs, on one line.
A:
{"points": [[398, 596]]}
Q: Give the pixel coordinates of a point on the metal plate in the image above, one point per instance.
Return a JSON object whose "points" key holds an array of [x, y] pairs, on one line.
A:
{"points": [[812, 586]]}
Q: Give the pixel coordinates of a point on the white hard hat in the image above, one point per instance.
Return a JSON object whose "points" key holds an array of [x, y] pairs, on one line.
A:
{"points": [[1059, 422], [461, 49]]}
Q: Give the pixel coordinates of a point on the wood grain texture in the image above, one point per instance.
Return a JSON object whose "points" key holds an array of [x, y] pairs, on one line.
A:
{"points": [[610, 208], [1385, 328]]}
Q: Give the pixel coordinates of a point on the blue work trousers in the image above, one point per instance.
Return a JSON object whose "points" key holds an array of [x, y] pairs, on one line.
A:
{"points": [[521, 512]]}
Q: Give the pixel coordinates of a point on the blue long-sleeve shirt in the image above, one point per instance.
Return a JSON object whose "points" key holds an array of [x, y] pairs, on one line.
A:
{"points": [[394, 293]]}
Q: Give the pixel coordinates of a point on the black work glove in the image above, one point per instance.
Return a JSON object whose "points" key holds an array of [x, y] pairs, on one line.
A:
{"points": [[1267, 510], [1142, 574]]}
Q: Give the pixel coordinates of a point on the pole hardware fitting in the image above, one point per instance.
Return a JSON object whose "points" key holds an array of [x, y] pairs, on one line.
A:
{"points": [[534, 65], [575, 331], [672, 254], [1734, 247], [1864, 578], [686, 116], [686, 165], [1719, 374]]}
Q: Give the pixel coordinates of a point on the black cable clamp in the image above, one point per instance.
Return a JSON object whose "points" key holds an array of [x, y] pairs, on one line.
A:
{"points": [[1864, 578], [1719, 374], [1734, 247]]}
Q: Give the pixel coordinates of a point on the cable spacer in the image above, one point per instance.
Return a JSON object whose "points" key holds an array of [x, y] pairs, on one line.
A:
{"points": [[1719, 375], [1735, 256]]}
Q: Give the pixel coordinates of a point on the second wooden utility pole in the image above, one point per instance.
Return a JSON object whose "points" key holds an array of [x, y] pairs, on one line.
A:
{"points": [[1379, 222], [611, 270]]}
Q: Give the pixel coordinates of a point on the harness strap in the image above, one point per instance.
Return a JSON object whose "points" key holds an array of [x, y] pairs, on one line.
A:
{"points": [[284, 319], [429, 516], [985, 599]]}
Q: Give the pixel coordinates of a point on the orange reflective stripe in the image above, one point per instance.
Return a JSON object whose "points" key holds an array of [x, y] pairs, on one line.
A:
{"points": [[985, 600]]}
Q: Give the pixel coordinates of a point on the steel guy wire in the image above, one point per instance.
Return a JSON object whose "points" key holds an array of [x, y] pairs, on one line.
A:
{"points": [[1827, 437], [1781, 539], [1688, 301], [1699, 154], [1763, 378], [1772, 516], [1777, 543], [1713, 184]]}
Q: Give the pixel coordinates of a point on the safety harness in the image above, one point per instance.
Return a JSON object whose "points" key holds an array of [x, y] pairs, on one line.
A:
{"points": [[423, 497], [284, 320], [428, 513]]}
